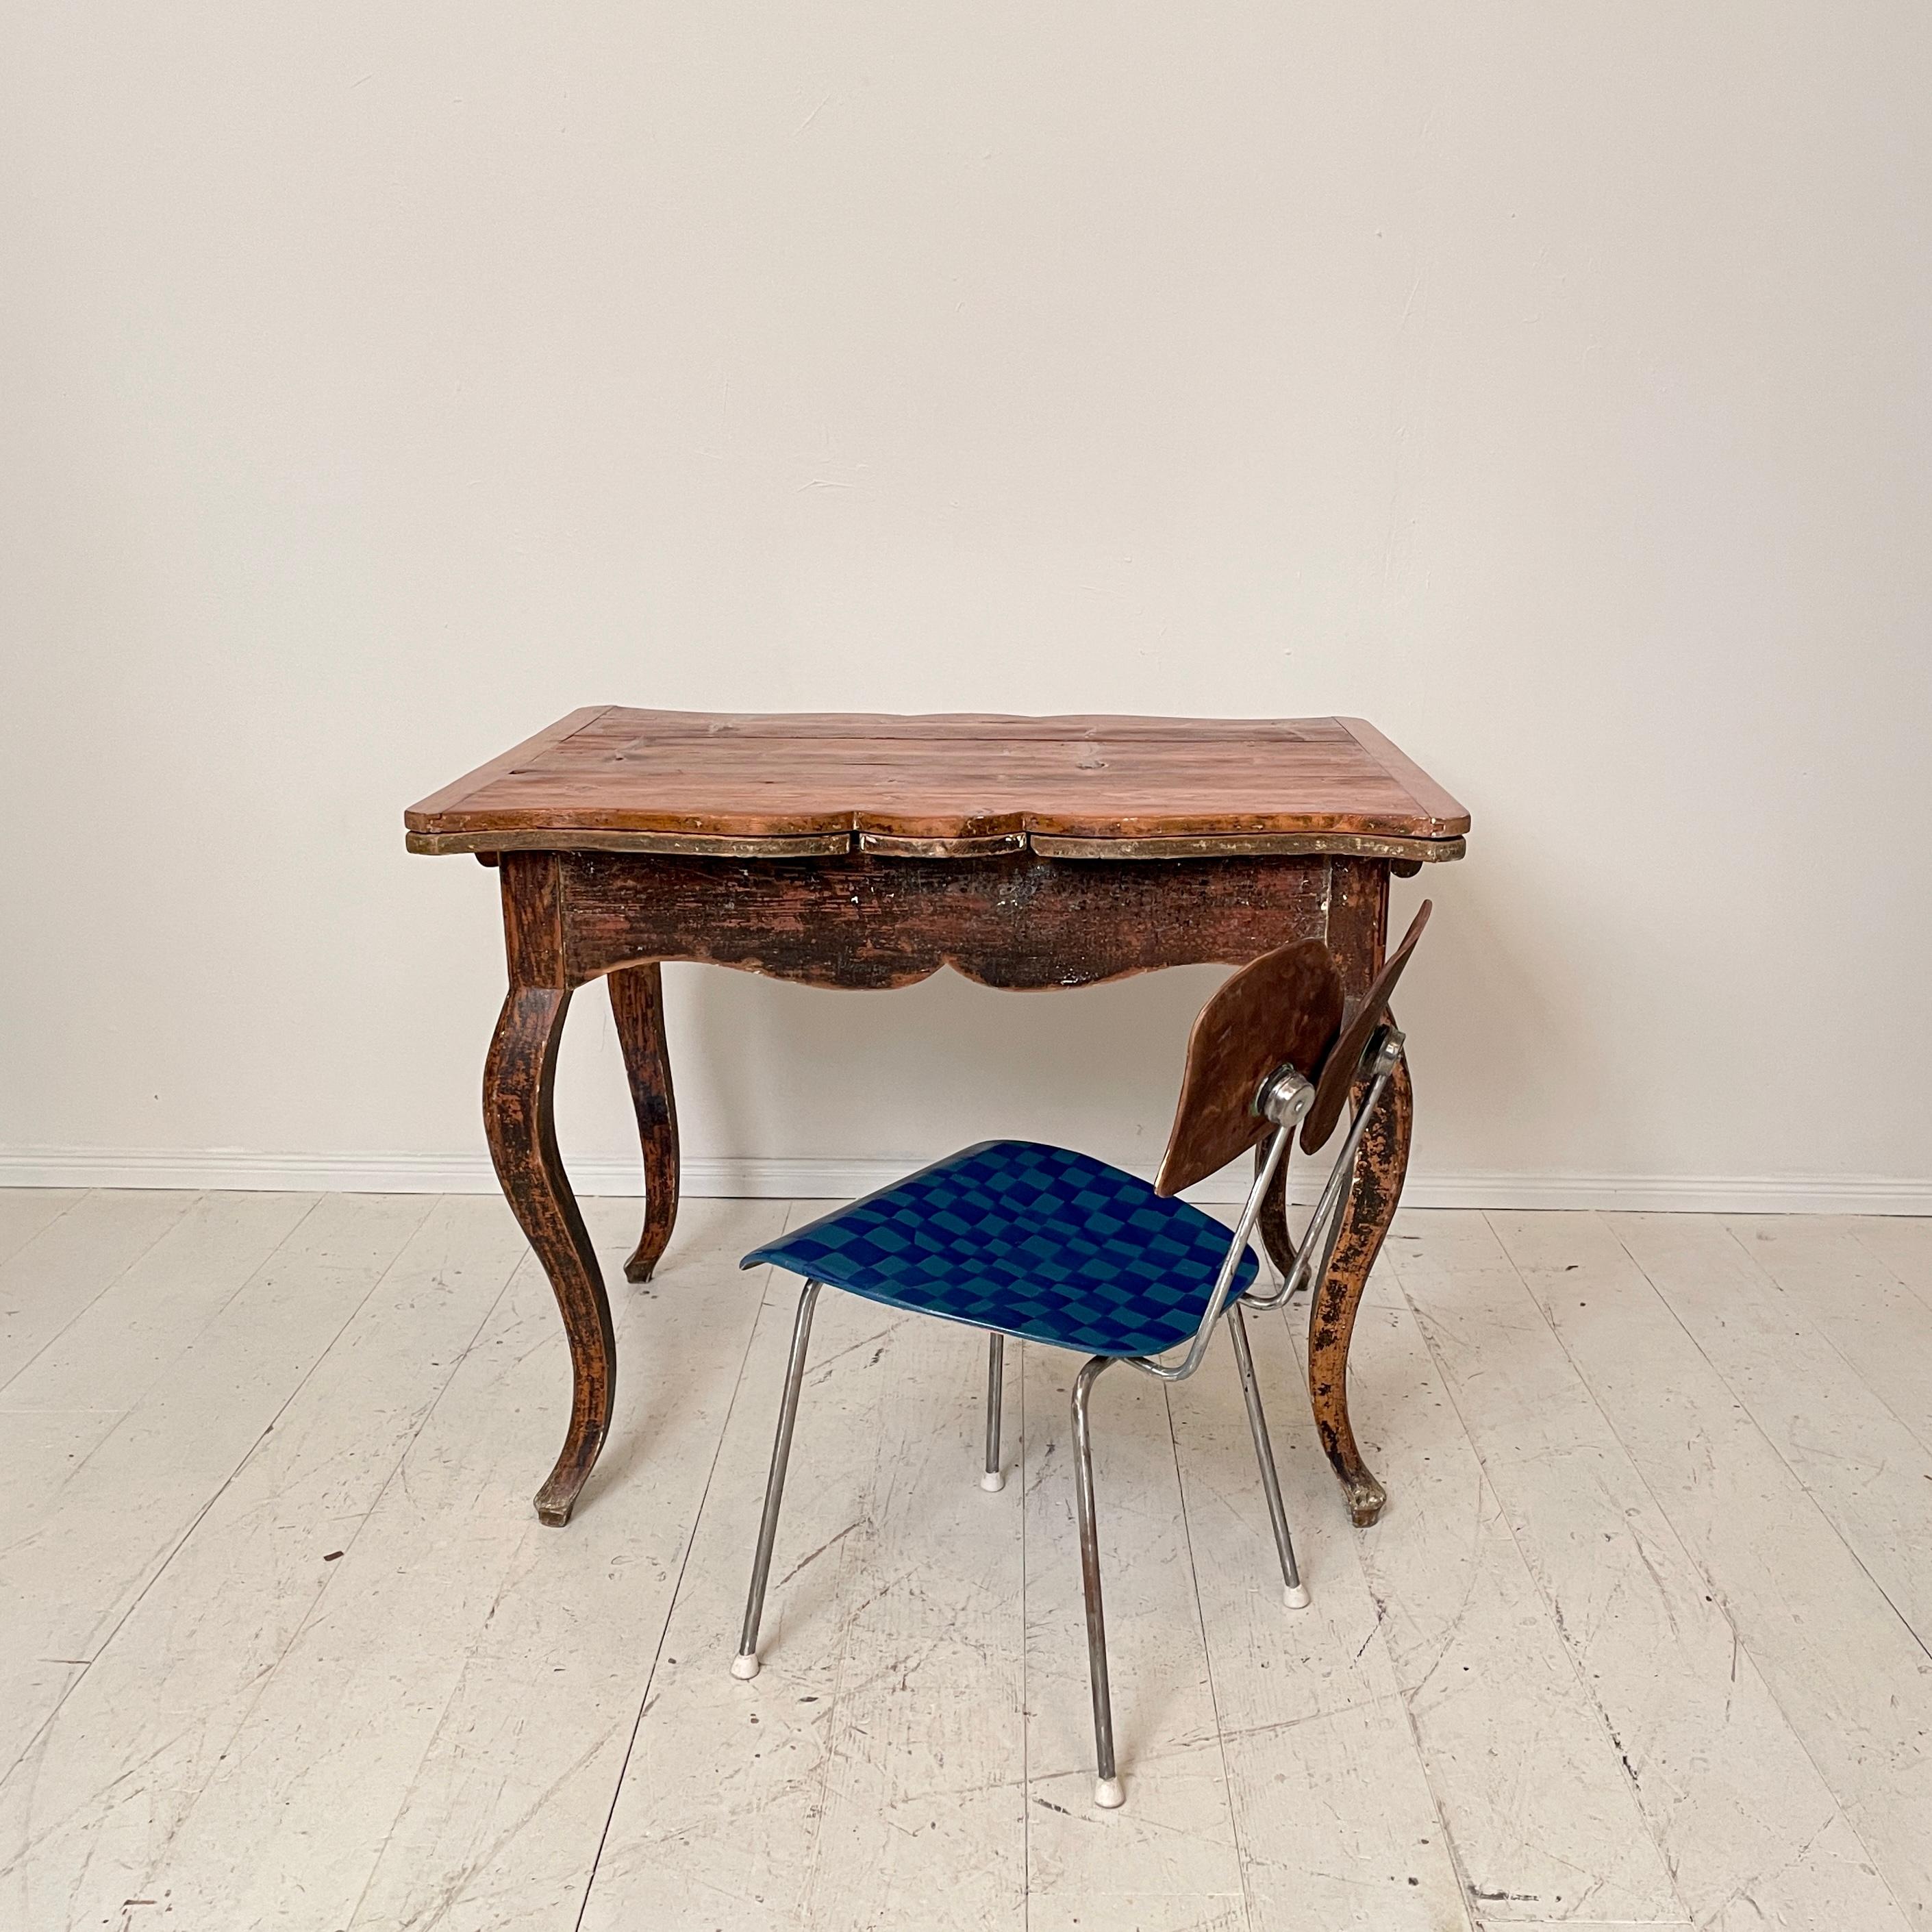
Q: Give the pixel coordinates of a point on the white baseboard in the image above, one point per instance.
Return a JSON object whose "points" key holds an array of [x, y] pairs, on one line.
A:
{"points": [[837, 1179]]}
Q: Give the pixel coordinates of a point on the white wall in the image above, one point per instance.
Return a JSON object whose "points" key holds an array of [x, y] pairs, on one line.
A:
{"points": [[1549, 384]]}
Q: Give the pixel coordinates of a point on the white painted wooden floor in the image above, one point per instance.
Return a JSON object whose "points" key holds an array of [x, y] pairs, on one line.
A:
{"points": [[1641, 1641]]}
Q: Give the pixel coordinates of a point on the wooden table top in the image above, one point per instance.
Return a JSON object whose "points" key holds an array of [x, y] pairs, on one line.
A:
{"points": [[791, 784]]}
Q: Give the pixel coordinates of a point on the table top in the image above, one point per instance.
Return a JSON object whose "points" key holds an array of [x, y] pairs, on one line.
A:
{"points": [[794, 784]]}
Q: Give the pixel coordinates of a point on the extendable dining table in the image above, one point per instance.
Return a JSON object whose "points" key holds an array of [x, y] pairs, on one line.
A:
{"points": [[864, 851]]}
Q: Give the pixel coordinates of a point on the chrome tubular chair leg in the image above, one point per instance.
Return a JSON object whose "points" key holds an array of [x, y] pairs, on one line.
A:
{"points": [[1107, 1791], [995, 1475], [1296, 1590], [745, 1664]]}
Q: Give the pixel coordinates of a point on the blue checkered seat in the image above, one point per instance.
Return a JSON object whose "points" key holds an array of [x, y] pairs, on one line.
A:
{"points": [[1025, 1239]]}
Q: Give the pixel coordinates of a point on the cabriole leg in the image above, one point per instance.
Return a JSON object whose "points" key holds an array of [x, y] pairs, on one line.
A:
{"points": [[517, 1116], [636, 1005], [1367, 1210]]}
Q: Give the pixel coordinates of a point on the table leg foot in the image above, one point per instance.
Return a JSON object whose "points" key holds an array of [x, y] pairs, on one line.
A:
{"points": [[637, 1005], [1367, 1499], [558, 1497], [1380, 1166], [518, 1082]]}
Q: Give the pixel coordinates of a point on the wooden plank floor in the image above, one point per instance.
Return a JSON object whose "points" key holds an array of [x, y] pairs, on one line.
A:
{"points": [[1644, 1638]]}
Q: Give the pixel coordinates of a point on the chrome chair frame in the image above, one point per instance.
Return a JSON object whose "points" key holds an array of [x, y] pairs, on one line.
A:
{"points": [[1283, 1099]]}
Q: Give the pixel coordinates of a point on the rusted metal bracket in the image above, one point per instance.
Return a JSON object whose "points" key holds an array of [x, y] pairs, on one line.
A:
{"points": [[1252, 845], [1405, 854], [691, 844]]}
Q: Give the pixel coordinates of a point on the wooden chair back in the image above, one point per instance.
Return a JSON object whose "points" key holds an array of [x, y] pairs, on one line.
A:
{"points": [[1285, 1007]]}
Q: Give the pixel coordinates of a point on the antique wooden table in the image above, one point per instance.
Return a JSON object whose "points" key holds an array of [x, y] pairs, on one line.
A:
{"points": [[870, 851]]}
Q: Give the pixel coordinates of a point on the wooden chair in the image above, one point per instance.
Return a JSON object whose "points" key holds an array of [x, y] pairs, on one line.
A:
{"points": [[1025, 1239]]}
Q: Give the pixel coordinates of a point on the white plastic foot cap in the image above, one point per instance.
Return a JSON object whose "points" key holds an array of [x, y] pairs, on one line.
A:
{"points": [[1296, 1596], [745, 1667], [993, 1481], [1108, 1794]]}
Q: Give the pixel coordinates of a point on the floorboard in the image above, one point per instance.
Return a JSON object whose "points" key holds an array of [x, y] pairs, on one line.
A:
{"points": [[1749, 1829], [1850, 1681], [1641, 1640], [25, 1212], [288, 1421], [1534, 1790], [1337, 1826], [82, 1553], [552, 1657], [52, 1279], [1169, 1859], [1903, 1244], [377, 1677], [128, 1339], [1869, 1474], [1853, 1287], [870, 1774]]}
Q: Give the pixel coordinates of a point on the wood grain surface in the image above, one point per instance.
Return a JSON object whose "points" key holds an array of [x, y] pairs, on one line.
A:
{"points": [[869, 852], [1642, 1644], [1286, 1007], [612, 770], [637, 1010], [1018, 921]]}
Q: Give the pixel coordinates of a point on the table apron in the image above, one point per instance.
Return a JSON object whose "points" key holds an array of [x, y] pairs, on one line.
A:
{"points": [[1018, 920]]}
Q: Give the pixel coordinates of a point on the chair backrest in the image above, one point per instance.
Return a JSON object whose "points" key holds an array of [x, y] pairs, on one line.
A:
{"points": [[1285, 1008], [1338, 1073]]}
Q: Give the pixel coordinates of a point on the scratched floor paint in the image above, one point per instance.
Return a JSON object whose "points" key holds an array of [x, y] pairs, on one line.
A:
{"points": [[1644, 1639]]}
